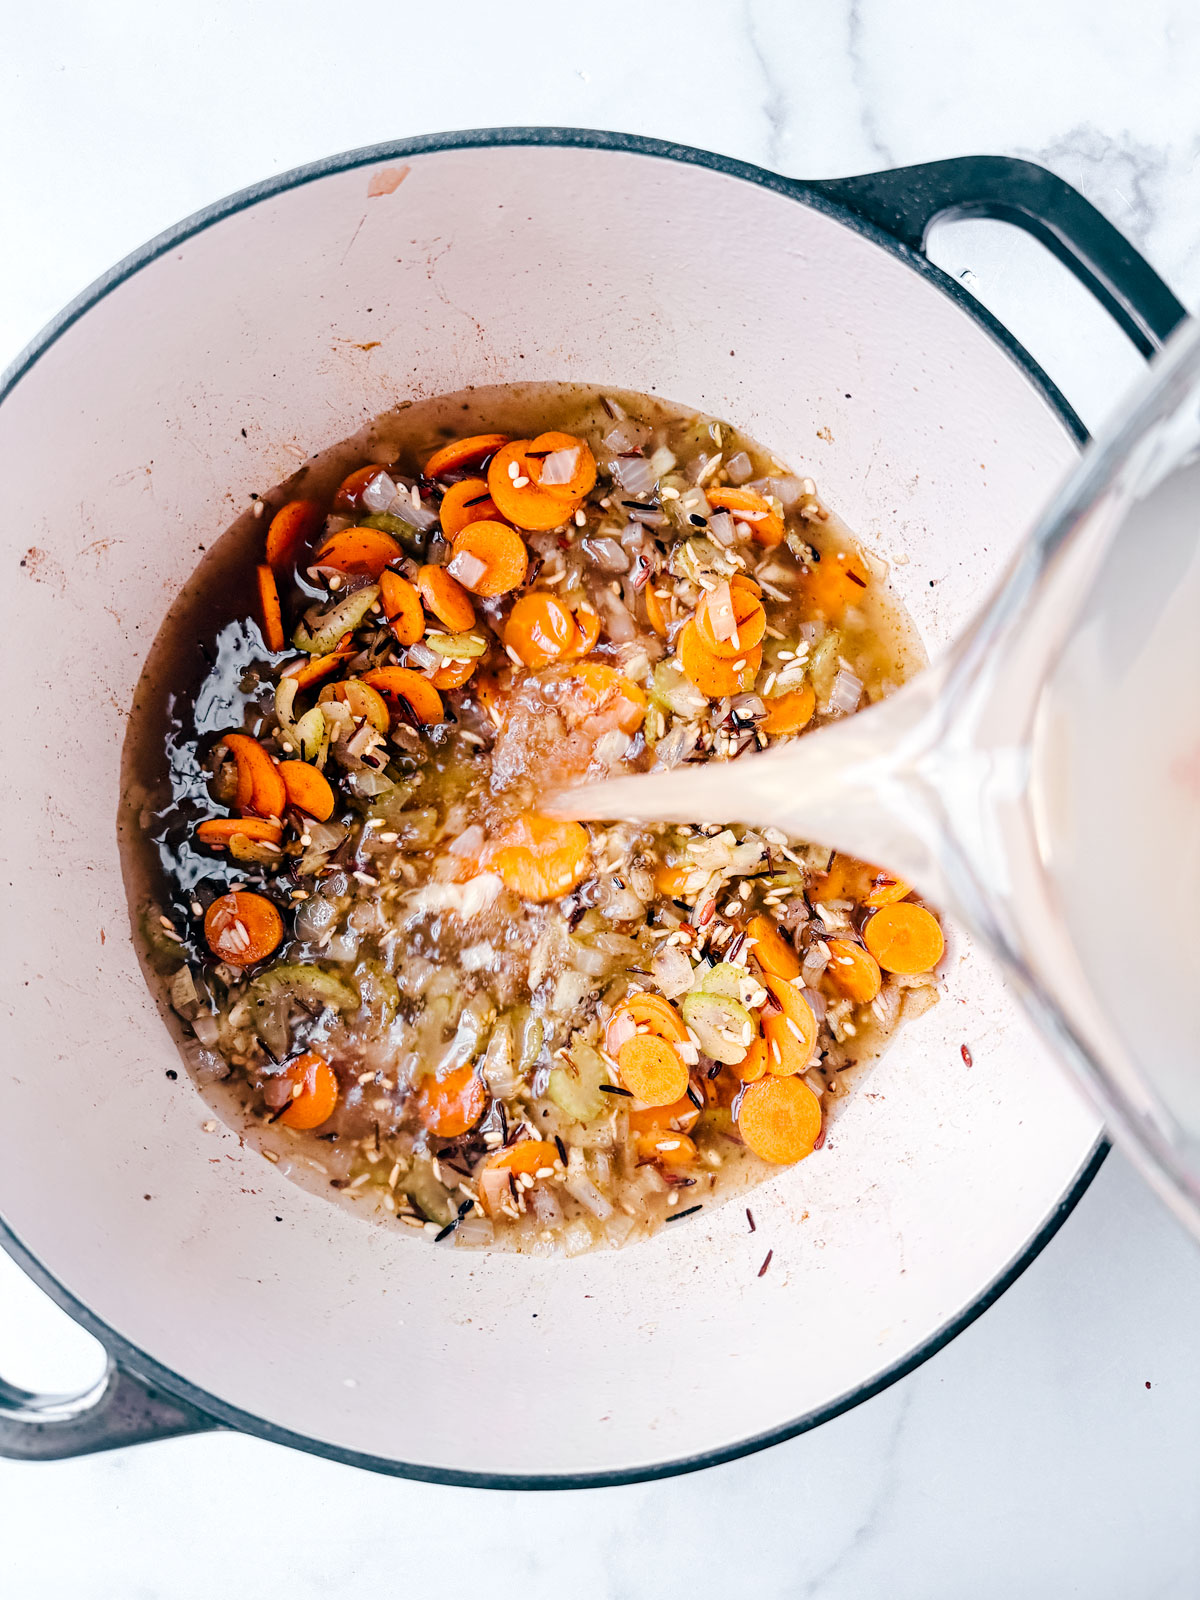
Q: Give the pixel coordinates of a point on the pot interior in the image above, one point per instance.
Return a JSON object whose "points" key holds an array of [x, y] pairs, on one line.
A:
{"points": [[139, 435]]}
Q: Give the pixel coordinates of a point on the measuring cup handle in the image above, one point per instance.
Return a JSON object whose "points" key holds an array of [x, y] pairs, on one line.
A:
{"points": [[906, 201], [121, 1409]]}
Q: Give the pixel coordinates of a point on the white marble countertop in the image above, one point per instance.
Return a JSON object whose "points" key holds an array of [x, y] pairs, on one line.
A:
{"points": [[1052, 1449]]}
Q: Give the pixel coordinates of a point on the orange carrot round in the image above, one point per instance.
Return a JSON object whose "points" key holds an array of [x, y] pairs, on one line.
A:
{"points": [[446, 598], [834, 583], [788, 713], [790, 1031], [272, 615], [402, 607], [886, 890], [464, 503], [644, 1010], [460, 453], [596, 688], [715, 676], [771, 950], [853, 970], [526, 1158], [667, 1147], [680, 1116], [671, 881], [449, 1106], [403, 683], [746, 506], [318, 1094], [518, 497], [540, 629], [453, 675], [307, 789], [540, 858], [754, 1063], [496, 548], [655, 615], [358, 552], [242, 928], [582, 480], [780, 1120], [652, 1070], [751, 622], [292, 526], [587, 632], [258, 775], [218, 831], [904, 938]]}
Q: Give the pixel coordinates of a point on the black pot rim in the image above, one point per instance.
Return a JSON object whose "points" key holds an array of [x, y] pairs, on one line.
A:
{"points": [[137, 1361]]}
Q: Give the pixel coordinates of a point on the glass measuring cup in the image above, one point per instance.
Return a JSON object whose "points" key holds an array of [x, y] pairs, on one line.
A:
{"points": [[1042, 782]]}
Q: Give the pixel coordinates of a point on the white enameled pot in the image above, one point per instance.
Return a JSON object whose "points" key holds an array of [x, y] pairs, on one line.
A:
{"points": [[132, 433]]}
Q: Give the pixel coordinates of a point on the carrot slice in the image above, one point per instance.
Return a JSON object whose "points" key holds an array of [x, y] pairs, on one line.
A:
{"points": [[853, 970], [540, 629], [671, 881], [780, 1120], [886, 890], [837, 581], [655, 615], [765, 525], [464, 503], [292, 526], [446, 598], [667, 1147], [788, 713], [449, 1106], [311, 669], [596, 687], [754, 1063], [489, 558], [267, 795], [402, 607], [680, 1116], [307, 789], [218, 831], [587, 632], [582, 480], [540, 858], [242, 928], [272, 615], [404, 684], [358, 552], [790, 1031], [751, 622], [652, 1070], [905, 938], [518, 497], [460, 453], [349, 495], [318, 1095], [644, 1010], [526, 1158], [365, 702], [715, 676], [771, 950], [453, 675]]}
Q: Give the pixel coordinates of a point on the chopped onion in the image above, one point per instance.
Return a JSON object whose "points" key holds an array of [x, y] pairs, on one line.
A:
{"points": [[206, 1029], [559, 466], [672, 971], [615, 614], [417, 516], [617, 1229], [379, 493], [634, 474], [663, 460], [748, 706], [624, 435], [817, 1002], [846, 691], [815, 961], [675, 747], [605, 553], [739, 467], [369, 783], [788, 490], [611, 746], [623, 906], [578, 1183], [694, 503], [468, 569], [721, 528], [422, 657], [586, 960], [469, 841], [183, 989]]}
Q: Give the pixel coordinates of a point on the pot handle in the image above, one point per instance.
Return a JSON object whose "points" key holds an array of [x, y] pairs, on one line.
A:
{"points": [[119, 1409], [906, 201]]}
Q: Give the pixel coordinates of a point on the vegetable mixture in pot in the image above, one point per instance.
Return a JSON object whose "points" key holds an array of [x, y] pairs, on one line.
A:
{"points": [[399, 976]]}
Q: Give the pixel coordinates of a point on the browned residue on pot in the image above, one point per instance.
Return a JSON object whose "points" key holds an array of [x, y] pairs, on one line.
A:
{"points": [[386, 181], [41, 566]]}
